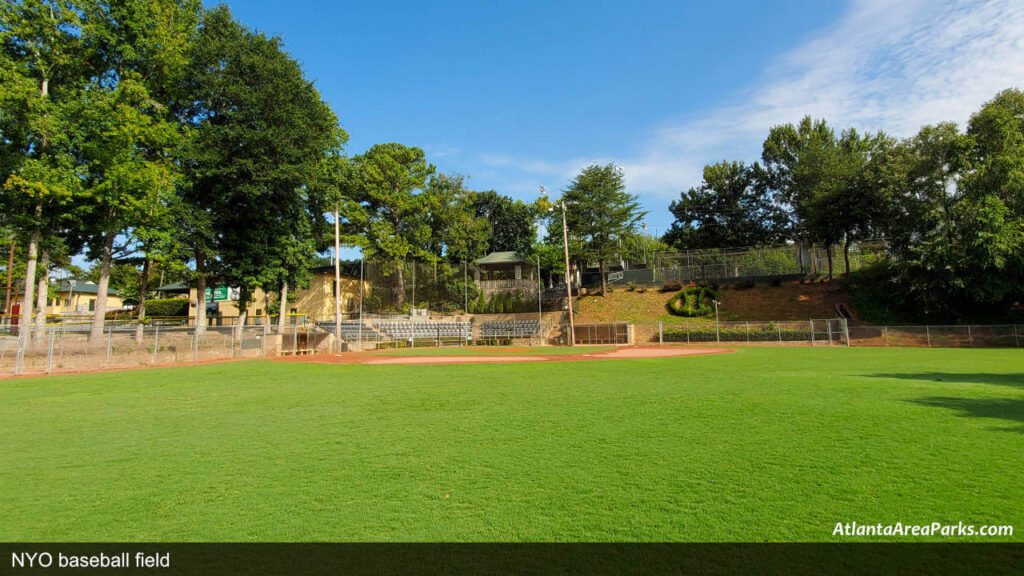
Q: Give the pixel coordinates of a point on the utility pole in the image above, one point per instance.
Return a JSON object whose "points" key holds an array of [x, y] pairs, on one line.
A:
{"points": [[568, 275], [337, 278]]}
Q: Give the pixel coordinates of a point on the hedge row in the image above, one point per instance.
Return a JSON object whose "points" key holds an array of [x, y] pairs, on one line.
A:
{"points": [[693, 301], [167, 307]]}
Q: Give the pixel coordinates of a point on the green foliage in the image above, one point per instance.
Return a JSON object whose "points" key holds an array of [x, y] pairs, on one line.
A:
{"points": [[731, 208], [693, 301], [510, 222], [599, 213], [167, 307]]}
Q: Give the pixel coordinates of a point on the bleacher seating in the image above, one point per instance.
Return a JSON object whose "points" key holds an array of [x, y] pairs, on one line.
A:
{"points": [[350, 331], [405, 329], [510, 328]]}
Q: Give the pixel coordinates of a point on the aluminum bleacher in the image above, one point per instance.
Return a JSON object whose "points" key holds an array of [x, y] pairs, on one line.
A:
{"points": [[510, 328], [405, 329]]}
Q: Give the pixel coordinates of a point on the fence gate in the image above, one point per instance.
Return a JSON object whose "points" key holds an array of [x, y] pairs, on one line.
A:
{"points": [[830, 332]]}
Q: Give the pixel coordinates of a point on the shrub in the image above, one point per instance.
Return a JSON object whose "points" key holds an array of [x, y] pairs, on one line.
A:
{"points": [[167, 307], [692, 302], [671, 286], [631, 286], [481, 304]]}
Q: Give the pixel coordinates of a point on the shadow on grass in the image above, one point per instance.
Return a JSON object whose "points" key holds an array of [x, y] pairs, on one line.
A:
{"points": [[1010, 409], [1013, 380]]}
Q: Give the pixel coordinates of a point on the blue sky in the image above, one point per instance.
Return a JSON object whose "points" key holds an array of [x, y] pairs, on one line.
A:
{"points": [[520, 94]]}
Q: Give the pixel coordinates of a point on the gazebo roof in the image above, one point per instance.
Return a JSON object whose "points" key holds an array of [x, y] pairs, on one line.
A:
{"points": [[501, 258]]}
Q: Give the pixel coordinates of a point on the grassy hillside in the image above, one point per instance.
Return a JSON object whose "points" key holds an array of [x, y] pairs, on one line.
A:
{"points": [[789, 301]]}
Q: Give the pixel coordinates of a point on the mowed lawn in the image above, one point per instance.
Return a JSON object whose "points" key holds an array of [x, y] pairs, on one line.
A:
{"points": [[760, 445]]}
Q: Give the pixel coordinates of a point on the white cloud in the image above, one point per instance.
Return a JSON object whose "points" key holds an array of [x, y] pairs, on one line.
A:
{"points": [[891, 65]]}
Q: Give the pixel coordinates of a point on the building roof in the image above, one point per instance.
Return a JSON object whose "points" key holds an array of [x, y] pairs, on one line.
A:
{"points": [[501, 258], [174, 287], [80, 287]]}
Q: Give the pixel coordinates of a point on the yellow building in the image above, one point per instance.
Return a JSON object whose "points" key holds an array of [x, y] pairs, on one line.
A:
{"points": [[74, 297], [315, 301]]}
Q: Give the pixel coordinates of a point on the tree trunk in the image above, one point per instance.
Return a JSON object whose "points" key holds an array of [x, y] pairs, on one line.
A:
{"points": [[143, 287], [30, 279], [41, 294], [281, 316], [400, 287], [828, 252], [200, 295], [604, 283], [243, 311], [846, 256], [100, 313], [10, 271]]}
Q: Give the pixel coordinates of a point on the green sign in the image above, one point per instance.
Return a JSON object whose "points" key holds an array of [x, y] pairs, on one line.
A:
{"points": [[219, 294]]}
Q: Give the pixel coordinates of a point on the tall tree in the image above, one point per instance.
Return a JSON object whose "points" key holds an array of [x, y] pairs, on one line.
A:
{"points": [[261, 131], [512, 222], [459, 234], [730, 208], [599, 212], [389, 186], [797, 164], [45, 62]]}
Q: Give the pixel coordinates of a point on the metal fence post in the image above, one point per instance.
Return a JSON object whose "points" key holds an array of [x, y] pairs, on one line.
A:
{"points": [[195, 344], [812, 332], [110, 337], [970, 338], [661, 334], [846, 329], [885, 329], [1016, 337], [156, 342], [748, 332], [263, 344], [928, 332], [828, 328], [779, 326]]}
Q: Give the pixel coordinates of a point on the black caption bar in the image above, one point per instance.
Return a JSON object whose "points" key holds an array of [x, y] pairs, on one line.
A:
{"points": [[511, 559]]}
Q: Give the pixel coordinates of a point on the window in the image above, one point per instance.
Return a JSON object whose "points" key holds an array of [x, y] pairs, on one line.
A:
{"points": [[92, 304]]}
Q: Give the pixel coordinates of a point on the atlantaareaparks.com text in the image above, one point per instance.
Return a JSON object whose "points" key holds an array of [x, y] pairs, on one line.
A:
{"points": [[934, 529]]}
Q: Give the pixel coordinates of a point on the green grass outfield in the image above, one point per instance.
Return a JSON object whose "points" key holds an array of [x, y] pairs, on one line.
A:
{"points": [[760, 445]]}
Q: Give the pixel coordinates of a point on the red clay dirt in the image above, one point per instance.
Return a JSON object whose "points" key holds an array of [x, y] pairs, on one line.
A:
{"points": [[616, 354]]}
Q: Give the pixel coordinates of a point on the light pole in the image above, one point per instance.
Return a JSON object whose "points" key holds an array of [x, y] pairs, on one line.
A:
{"points": [[568, 273]]}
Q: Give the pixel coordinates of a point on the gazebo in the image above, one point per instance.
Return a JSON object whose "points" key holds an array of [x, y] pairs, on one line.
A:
{"points": [[503, 272]]}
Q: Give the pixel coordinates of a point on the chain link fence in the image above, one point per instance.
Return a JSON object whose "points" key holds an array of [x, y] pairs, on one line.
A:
{"points": [[70, 346]]}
